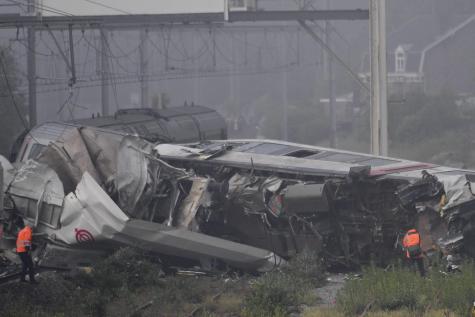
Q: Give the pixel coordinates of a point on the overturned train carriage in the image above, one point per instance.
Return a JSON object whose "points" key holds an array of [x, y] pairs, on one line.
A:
{"points": [[249, 204], [171, 125]]}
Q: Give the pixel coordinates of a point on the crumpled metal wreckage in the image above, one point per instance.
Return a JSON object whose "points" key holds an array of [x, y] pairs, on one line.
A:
{"points": [[92, 192]]}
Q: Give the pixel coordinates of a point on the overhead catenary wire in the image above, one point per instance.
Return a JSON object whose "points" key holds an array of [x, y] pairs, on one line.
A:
{"points": [[117, 78], [123, 80], [42, 7], [108, 7], [330, 51]]}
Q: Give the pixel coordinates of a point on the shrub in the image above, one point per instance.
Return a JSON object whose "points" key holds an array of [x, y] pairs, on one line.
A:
{"points": [[275, 292], [307, 267], [83, 294], [401, 288], [271, 295]]}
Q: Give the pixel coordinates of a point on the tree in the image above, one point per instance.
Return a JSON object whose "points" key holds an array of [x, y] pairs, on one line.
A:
{"points": [[423, 117], [307, 122], [12, 110]]}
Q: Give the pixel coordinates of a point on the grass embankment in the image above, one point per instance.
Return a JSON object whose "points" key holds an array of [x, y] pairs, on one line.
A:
{"points": [[402, 290], [129, 283]]}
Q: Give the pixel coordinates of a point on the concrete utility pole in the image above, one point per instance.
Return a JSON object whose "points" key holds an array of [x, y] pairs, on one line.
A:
{"points": [[104, 72], [330, 81], [285, 97], [144, 97], [379, 103], [31, 67]]}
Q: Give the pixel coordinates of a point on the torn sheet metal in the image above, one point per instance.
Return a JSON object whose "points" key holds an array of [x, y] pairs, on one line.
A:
{"points": [[69, 157], [144, 181], [34, 179], [426, 188], [103, 148], [89, 215], [38, 193], [132, 173], [457, 190], [246, 190], [8, 172], [91, 218]]}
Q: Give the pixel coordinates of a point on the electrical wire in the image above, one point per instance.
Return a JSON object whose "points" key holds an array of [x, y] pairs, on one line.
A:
{"points": [[34, 51], [43, 8], [108, 7], [186, 75], [122, 80]]}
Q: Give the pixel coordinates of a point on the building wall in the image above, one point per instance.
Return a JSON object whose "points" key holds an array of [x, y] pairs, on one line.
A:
{"points": [[451, 65]]}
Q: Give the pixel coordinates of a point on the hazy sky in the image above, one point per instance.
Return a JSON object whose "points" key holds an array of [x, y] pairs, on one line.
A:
{"points": [[85, 7]]}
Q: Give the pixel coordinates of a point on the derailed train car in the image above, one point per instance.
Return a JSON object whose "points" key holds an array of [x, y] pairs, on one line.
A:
{"points": [[171, 125], [249, 204]]}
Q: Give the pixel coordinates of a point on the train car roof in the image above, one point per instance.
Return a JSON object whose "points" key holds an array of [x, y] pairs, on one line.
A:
{"points": [[300, 158], [134, 115]]}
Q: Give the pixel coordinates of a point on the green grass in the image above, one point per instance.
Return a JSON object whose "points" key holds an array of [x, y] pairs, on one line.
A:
{"points": [[329, 312], [402, 289]]}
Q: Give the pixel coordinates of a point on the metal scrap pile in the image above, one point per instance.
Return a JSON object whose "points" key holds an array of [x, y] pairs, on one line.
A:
{"points": [[90, 192]]}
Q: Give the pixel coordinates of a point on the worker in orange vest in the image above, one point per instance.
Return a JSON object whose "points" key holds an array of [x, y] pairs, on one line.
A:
{"points": [[412, 247], [23, 248]]}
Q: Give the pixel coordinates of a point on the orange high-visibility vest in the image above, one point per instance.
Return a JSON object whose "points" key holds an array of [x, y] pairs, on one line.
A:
{"points": [[412, 238], [24, 239]]}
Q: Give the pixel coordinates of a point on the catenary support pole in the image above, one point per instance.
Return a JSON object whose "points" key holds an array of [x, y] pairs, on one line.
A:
{"points": [[144, 91], [330, 81], [379, 120], [285, 88], [31, 68], [285, 96], [104, 71]]}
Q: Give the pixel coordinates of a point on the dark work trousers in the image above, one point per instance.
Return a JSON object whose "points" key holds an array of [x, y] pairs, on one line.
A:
{"points": [[419, 263], [27, 266]]}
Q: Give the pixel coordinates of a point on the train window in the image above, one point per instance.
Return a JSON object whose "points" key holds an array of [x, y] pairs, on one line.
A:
{"points": [[376, 161], [246, 146], [211, 125], [185, 129], [124, 128], [301, 153], [341, 157], [154, 128], [36, 150], [213, 146], [267, 148], [24, 149], [49, 214]]}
